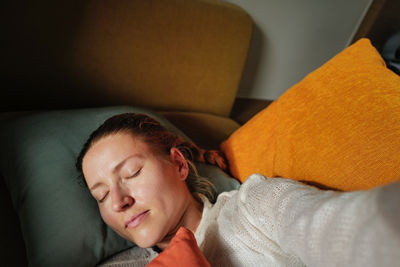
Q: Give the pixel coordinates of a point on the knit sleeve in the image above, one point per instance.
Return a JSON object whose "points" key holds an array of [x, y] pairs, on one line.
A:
{"points": [[326, 228]]}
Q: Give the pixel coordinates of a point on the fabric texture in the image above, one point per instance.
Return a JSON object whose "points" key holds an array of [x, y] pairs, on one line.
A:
{"points": [[60, 222], [206, 130], [162, 54], [132, 257], [281, 222], [339, 127], [182, 251]]}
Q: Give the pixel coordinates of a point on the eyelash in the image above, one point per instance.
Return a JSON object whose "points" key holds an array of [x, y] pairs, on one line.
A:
{"points": [[103, 198], [135, 174]]}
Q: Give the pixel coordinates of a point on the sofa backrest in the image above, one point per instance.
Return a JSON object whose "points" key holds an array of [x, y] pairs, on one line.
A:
{"points": [[182, 55]]}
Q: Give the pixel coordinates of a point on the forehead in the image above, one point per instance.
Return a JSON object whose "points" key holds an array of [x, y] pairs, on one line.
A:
{"points": [[128, 138], [115, 139], [107, 154], [115, 147]]}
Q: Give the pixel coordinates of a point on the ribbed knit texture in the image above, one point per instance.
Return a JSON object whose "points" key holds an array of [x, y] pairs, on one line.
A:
{"points": [[281, 222], [133, 257]]}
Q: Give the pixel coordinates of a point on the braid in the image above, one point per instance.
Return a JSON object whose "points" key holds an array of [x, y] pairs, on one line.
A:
{"points": [[197, 154]]}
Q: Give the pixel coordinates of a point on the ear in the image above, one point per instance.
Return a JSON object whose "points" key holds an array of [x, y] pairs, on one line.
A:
{"points": [[179, 160]]}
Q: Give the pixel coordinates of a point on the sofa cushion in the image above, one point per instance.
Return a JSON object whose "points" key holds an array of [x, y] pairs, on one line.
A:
{"points": [[339, 127], [161, 54], [206, 130], [12, 248]]}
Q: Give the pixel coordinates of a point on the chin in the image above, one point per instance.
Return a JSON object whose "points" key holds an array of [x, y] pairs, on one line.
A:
{"points": [[144, 243], [144, 239]]}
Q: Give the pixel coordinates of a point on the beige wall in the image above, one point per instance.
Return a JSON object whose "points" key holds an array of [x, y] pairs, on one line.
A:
{"points": [[292, 38]]}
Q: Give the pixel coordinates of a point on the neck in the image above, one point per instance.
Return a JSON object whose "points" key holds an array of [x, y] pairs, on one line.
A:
{"points": [[190, 219]]}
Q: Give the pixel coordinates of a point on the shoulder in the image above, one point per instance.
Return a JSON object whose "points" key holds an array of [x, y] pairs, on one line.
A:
{"points": [[259, 186], [255, 190]]}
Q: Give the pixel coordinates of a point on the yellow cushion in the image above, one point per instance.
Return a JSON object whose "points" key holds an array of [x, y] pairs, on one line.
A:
{"points": [[175, 55], [339, 127], [206, 130]]}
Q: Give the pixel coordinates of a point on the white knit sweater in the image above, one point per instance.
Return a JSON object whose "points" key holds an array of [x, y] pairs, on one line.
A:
{"points": [[281, 222]]}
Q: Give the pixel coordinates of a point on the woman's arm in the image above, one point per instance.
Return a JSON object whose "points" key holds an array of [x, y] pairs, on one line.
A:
{"points": [[327, 228]]}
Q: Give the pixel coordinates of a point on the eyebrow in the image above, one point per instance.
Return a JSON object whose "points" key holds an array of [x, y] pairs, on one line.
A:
{"points": [[116, 168]]}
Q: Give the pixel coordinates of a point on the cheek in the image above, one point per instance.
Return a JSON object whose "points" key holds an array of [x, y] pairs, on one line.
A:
{"points": [[152, 185], [161, 189], [109, 218]]}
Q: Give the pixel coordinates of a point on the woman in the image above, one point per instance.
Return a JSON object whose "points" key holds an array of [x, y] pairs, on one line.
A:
{"points": [[146, 186]]}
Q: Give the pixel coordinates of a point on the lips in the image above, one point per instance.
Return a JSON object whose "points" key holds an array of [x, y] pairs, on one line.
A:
{"points": [[136, 220]]}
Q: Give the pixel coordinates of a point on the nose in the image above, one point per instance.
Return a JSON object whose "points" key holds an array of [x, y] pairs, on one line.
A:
{"points": [[121, 200]]}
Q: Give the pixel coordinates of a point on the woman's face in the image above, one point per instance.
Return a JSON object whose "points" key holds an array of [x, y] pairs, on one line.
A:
{"points": [[141, 194]]}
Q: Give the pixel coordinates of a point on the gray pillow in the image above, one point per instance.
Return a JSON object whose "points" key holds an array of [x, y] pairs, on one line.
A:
{"points": [[59, 219]]}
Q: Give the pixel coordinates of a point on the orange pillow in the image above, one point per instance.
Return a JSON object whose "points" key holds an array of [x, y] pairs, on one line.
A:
{"points": [[181, 252], [339, 127]]}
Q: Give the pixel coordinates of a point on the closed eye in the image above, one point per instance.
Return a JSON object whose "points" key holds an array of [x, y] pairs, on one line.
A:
{"points": [[103, 198], [135, 174]]}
